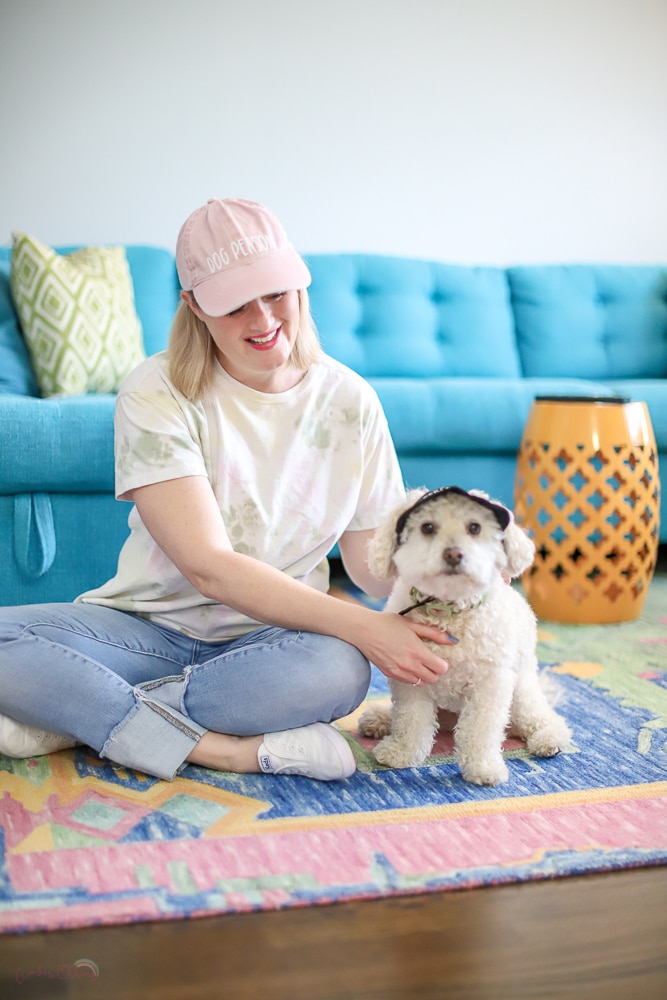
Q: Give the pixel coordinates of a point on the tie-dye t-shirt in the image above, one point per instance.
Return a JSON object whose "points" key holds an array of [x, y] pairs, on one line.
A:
{"points": [[291, 472]]}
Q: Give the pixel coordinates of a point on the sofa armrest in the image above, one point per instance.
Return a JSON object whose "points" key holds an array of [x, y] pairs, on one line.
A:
{"points": [[60, 445]]}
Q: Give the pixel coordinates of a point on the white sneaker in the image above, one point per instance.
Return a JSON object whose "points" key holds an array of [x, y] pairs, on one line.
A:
{"points": [[318, 751], [19, 740]]}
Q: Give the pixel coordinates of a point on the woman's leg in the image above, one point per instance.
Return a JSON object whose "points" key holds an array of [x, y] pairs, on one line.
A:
{"points": [[73, 669], [130, 689], [267, 681], [286, 685]]}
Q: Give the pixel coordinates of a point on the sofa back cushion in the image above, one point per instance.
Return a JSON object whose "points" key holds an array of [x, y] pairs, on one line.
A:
{"points": [[393, 316], [591, 321], [156, 292]]}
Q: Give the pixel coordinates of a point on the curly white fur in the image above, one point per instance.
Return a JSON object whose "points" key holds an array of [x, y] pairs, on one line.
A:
{"points": [[453, 548]]}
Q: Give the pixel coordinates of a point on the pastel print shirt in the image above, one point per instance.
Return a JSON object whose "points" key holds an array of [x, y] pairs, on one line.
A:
{"points": [[291, 472]]}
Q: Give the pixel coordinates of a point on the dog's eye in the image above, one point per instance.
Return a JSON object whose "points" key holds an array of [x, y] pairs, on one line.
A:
{"points": [[474, 528], [427, 528]]}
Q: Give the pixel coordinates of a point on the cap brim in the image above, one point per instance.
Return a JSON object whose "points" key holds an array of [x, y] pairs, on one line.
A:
{"points": [[501, 514], [222, 293]]}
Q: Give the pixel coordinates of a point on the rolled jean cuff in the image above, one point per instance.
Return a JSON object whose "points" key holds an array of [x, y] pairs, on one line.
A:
{"points": [[152, 738]]}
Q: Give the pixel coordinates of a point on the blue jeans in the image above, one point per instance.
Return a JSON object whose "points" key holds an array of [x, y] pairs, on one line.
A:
{"points": [[142, 694]]}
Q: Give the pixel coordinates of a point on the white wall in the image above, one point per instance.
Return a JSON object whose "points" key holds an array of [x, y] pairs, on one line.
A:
{"points": [[484, 131]]}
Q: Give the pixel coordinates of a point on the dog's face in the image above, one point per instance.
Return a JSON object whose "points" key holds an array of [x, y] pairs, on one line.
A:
{"points": [[451, 547]]}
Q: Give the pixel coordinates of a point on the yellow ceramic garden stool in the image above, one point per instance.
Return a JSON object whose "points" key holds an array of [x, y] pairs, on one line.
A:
{"points": [[588, 493]]}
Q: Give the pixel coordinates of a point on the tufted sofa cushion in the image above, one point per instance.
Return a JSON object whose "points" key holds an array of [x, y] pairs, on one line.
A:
{"points": [[464, 415], [398, 317], [576, 320]]}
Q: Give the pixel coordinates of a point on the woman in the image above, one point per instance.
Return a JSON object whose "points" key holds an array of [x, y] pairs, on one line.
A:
{"points": [[247, 455]]}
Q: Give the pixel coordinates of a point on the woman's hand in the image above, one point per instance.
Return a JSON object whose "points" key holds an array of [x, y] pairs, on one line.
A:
{"points": [[396, 646]]}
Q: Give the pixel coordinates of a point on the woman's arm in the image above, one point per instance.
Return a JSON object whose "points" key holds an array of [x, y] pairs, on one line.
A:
{"points": [[183, 517]]}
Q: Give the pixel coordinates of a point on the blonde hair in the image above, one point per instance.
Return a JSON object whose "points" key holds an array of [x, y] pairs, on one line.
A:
{"points": [[191, 356]]}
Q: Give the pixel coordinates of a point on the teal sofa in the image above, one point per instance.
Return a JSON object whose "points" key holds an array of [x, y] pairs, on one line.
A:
{"points": [[457, 355]]}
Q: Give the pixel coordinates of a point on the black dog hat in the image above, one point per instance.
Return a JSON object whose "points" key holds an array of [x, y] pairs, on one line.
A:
{"points": [[501, 513]]}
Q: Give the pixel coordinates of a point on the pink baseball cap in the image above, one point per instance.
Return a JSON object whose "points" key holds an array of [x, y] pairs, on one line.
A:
{"points": [[231, 251]]}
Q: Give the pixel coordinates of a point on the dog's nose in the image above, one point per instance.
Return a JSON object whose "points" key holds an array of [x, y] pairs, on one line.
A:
{"points": [[453, 557]]}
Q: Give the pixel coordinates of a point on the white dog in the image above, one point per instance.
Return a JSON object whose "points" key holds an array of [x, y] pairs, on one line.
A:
{"points": [[453, 552]]}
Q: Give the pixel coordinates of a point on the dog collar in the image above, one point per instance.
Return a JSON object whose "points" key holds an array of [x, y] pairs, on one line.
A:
{"points": [[433, 607]]}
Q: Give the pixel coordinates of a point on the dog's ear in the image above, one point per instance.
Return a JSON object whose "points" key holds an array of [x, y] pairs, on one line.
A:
{"points": [[519, 549], [384, 542]]}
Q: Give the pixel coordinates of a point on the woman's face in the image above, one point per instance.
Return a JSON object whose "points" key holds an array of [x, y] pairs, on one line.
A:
{"points": [[254, 343]]}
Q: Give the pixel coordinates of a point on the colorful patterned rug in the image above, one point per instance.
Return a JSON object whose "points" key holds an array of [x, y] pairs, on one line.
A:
{"points": [[83, 844]]}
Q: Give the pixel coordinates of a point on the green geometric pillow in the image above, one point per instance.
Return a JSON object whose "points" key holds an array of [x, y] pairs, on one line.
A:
{"points": [[77, 315]]}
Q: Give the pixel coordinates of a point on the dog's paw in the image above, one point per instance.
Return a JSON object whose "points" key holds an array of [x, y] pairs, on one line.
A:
{"points": [[492, 772], [375, 722], [549, 739], [391, 753]]}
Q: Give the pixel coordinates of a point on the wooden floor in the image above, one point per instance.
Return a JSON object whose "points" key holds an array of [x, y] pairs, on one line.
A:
{"points": [[602, 937]]}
